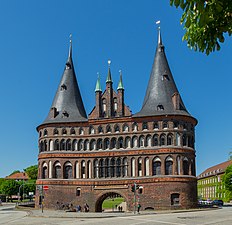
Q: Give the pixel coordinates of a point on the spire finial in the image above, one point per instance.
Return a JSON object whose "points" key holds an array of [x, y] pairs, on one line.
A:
{"points": [[109, 62], [109, 79], [70, 45], [159, 32]]}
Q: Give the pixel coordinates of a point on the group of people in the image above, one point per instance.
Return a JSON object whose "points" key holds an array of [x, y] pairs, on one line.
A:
{"points": [[86, 208], [71, 208]]}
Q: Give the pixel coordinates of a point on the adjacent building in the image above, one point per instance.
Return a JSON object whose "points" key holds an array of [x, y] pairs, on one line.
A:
{"points": [[209, 183], [86, 159]]}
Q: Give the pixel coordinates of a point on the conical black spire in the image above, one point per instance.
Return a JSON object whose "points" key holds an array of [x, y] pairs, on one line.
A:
{"points": [[67, 105], [162, 96]]}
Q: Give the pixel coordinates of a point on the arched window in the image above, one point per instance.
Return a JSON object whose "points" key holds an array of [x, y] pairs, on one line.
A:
{"points": [[107, 167], [116, 128], [81, 131], [80, 145], [162, 139], [68, 170], [104, 105], [56, 145], [155, 140], [140, 167], [133, 167], [165, 125], [156, 166], [141, 141], [170, 139], [45, 146], [148, 141], [175, 125], [113, 143], [40, 134], [145, 126], [83, 169], [100, 130], [135, 127], [185, 166], [68, 145], [106, 143], [184, 140], [55, 132], [127, 142], [168, 166], [99, 144], [134, 142], [112, 167], [120, 142], [124, 167], [64, 131], [115, 104], [189, 141], [57, 170], [101, 168], [155, 126], [146, 167], [125, 128], [93, 144], [62, 144], [193, 170], [108, 129], [86, 144], [45, 171], [118, 167], [95, 168], [74, 145], [72, 131], [91, 130], [45, 132]]}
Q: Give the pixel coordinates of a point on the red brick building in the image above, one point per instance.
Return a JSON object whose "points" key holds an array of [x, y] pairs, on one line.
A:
{"points": [[87, 159]]}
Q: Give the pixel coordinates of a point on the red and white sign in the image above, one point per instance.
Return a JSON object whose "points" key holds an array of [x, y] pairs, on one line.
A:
{"points": [[45, 187]]}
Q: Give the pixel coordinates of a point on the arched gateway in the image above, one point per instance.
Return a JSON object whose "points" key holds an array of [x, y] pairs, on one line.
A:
{"points": [[85, 159], [106, 195]]}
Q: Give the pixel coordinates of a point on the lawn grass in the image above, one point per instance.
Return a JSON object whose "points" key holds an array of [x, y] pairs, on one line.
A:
{"points": [[111, 203]]}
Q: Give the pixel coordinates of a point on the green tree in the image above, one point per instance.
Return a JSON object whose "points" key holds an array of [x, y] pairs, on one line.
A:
{"points": [[206, 22], [10, 187], [227, 178], [32, 172]]}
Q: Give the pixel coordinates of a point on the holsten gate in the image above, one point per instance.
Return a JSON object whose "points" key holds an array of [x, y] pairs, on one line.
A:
{"points": [[85, 159]]}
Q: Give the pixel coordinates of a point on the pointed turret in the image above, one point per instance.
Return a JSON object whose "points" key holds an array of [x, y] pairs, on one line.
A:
{"points": [[98, 84], [120, 83], [67, 105], [162, 96], [109, 78]]}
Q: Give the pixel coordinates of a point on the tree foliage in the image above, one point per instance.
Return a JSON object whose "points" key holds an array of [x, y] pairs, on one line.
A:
{"points": [[32, 171], [10, 187], [206, 22], [227, 178]]}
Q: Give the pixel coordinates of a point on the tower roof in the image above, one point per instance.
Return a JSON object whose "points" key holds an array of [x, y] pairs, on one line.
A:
{"points": [[98, 84], [120, 83], [67, 105], [162, 96]]}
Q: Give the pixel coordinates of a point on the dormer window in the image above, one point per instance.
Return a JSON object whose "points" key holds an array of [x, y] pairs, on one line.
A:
{"points": [[65, 114], [145, 126], [165, 76], [160, 107], [63, 87], [68, 66]]}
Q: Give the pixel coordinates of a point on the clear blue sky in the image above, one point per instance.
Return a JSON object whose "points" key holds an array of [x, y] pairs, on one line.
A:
{"points": [[34, 45]]}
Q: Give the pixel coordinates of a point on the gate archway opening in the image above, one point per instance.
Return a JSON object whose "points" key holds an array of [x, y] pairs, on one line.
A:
{"points": [[110, 201]]}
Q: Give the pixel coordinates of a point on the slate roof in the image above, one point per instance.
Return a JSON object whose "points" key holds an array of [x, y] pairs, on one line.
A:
{"points": [[161, 88], [68, 104], [217, 169]]}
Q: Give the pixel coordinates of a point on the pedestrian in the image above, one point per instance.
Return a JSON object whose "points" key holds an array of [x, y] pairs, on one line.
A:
{"points": [[139, 206]]}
